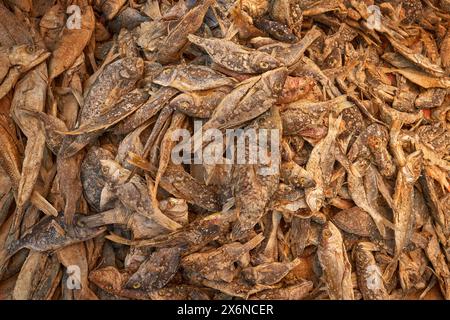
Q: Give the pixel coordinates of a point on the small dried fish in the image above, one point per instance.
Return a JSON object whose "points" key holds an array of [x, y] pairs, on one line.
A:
{"points": [[52, 234], [235, 57], [215, 265], [369, 275], [156, 271], [268, 273], [233, 149], [190, 77], [335, 264], [177, 38], [16, 61]]}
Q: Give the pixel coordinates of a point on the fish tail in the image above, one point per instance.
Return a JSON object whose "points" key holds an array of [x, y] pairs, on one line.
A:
{"points": [[42, 204], [381, 223], [254, 242]]}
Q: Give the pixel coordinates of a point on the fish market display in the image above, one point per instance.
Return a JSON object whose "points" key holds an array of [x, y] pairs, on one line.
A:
{"points": [[224, 149]]}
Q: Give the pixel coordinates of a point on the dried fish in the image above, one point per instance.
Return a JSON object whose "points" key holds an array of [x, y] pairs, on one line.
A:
{"points": [[236, 57], [233, 149], [369, 275], [52, 234], [335, 264]]}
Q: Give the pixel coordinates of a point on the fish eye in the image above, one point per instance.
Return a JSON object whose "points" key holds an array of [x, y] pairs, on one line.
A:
{"points": [[30, 49], [277, 86], [263, 65], [81, 224], [327, 233], [125, 74], [136, 285]]}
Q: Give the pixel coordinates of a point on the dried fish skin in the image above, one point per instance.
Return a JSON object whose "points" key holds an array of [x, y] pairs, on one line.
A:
{"points": [[217, 265], [295, 292], [320, 165], [302, 115], [71, 43], [416, 58], [251, 188], [156, 271], [22, 57], [377, 139], [293, 174], [236, 57], [109, 7], [127, 105], [193, 236], [181, 184], [359, 195], [129, 18], [437, 259], [14, 30], [355, 221], [342, 194], [91, 130], [335, 264], [179, 292], [146, 111], [275, 29], [30, 93], [430, 98]]}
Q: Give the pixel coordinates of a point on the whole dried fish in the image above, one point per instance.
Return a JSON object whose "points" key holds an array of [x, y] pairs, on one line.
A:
{"points": [[215, 265], [52, 234], [335, 264], [178, 37], [236, 57], [157, 271], [16, 61], [188, 78], [369, 274], [233, 149]]}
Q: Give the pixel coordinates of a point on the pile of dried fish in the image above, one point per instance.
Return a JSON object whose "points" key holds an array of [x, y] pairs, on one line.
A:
{"points": [[352, 203]]}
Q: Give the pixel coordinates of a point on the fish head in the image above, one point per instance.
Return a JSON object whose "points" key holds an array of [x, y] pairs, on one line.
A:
{"points": [[26, 56], [109, 279], [132, 68], [275, 80], [183, 102], [166, 76], [113, 172], [413, 166], [264, 62], [135, 282], [330, 236], [81, 231]]}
